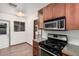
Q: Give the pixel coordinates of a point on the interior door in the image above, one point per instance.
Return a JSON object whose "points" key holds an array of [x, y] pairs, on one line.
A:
{"points": [[4, 34]]}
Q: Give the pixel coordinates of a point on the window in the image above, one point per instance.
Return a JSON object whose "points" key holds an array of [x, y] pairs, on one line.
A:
{"points": [[3, 28], [19, 26], [22, 26]]}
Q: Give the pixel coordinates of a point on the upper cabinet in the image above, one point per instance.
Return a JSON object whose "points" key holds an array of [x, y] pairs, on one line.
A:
{"points": [[72, 18], [40, 21], [58, 10], [48, 12], [77, 16], [55, 10]]}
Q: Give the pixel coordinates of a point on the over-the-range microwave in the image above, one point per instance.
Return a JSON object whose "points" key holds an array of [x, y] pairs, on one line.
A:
{"points": [[55, 24]]}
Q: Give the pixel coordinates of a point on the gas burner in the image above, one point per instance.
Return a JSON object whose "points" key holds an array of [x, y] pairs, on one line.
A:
{"points": [[53, 45]]}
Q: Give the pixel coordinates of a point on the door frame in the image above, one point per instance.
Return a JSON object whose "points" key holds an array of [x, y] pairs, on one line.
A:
{"points": [[9, 31]]}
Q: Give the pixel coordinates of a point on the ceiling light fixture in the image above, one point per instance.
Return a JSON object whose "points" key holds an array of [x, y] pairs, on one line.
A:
{"points": [[19, 13], [19, 9]]}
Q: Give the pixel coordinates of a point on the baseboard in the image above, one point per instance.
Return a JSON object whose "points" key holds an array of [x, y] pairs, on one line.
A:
{"points": [[20, 44], [28, 44]]}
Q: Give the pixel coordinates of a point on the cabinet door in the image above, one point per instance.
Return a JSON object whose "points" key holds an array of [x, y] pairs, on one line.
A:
{"points": [[48, 12], [58, 10], [54, 11], [77, 16], [35, 51], [45, 13], [35, 48], [71, 16], [40, 21]]}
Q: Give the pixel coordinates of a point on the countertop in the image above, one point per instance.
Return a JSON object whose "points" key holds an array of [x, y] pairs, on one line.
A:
{"points": [[39, 40], [71, 50]]}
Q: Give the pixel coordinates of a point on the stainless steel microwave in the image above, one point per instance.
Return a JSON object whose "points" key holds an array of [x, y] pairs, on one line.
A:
{"points": [[55, 24]]}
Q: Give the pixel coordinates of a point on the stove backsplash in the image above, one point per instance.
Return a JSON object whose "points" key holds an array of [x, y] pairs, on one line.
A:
{"points": [[73, 35]]}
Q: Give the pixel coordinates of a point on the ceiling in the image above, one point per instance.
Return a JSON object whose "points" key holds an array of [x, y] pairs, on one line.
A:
{"points": [[27, 8]]}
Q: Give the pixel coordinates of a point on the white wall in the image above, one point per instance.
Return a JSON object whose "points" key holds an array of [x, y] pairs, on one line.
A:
{"points": [[29, 29], [8, 13], [16, 37], [73, 35]]}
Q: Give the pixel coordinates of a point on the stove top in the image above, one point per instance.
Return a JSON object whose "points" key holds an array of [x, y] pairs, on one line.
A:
{"points": [[53, 45]]}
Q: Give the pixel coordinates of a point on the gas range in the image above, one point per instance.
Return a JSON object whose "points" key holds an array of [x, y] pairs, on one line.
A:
{"points": [[55, 43]]}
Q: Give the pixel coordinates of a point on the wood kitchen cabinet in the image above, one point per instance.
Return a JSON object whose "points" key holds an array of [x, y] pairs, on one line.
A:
{"points": [[77, 16], [72, 18], [55, 10], [35, 48], [48, 12], [40, 21], [58, 10]]}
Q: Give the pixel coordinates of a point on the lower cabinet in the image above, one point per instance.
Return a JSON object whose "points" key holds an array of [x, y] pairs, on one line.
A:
{"points": [[35, 48]]}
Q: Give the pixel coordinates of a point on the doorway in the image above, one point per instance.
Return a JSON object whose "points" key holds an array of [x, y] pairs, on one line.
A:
{"points": [[4, 34]]}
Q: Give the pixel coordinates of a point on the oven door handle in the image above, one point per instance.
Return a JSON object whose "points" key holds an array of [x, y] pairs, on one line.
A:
{"points": [[47, 51]]}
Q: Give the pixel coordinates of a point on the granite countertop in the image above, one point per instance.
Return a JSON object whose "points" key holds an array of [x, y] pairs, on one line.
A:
{"points": [[39, 40], [71, 50]]}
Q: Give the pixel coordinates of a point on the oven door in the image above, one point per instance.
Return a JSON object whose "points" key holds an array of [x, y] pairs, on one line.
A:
{"points": [[44, 52]]}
